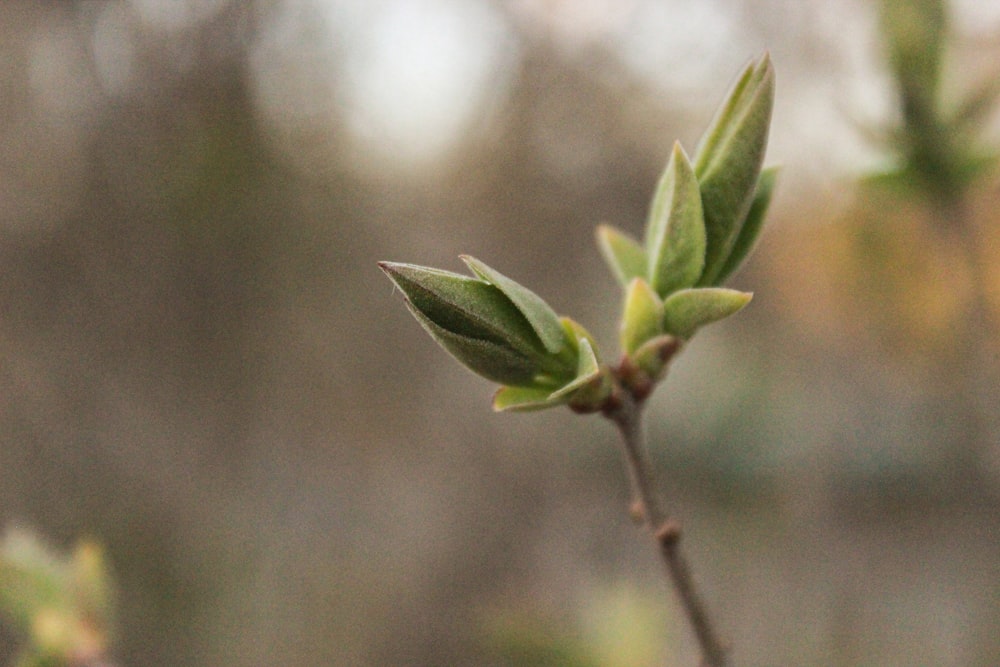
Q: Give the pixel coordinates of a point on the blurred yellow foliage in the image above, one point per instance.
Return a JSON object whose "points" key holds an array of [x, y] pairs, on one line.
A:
{"points": [[885, 273]]}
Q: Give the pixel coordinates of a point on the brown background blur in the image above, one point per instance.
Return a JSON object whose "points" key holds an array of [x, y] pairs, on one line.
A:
{"points": [[202, 367]]}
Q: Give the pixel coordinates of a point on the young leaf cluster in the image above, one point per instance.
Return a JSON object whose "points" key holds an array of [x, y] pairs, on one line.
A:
{"points": [[503, 331], [704, 219]]}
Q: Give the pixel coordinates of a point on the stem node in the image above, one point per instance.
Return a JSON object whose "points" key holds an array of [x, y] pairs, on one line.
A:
{"points": [[669, 533]]}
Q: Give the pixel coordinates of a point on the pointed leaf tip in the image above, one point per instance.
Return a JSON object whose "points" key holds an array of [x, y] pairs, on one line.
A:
{"points": [[535, 310], [643, 316], [523, 399], [675, 231], [729, 160], [465, 306], [624, 255]]}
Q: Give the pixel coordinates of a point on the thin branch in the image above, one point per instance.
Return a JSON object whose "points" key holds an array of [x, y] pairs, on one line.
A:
{"points": [[627, 416]]}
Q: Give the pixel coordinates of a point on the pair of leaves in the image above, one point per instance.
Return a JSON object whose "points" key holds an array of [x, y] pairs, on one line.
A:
{"points": [[500, 330], [682, 313], [728, 164], [651, 327]]}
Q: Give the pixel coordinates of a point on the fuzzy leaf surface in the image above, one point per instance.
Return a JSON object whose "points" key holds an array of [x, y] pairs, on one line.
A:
{"points": [[729, 159], [675, 231], [464, 306], [542, 318], [643, 316], [491, 360], [587, 370], [752, 226], [686, 311], [652, 356]]}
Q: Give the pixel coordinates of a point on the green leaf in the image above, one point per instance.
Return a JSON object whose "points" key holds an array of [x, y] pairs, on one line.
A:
{"points": [[464, 306], [624, 255], [491, 360], [588, 370], [523, 399], [729, 159], [575, 332], [539, 397], [726, 117], [643, 316], [752, 226], [675, 231], [539, 314], [686, 311], [480, 325]]}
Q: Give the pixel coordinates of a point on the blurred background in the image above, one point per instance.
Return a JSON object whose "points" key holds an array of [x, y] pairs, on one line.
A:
{"points": [[202, 368]]}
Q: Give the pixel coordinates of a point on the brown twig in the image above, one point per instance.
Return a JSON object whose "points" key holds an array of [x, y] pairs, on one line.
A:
{"points": [[626, 413]]}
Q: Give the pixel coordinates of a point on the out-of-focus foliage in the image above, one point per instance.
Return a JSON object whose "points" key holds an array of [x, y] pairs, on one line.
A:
{"points": [[910, 267], [617, 627], [61, 605], [924, 234], [939, 143]]}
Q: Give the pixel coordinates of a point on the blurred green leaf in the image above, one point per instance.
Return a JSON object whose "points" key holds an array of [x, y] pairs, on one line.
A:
{"points": [[62, 604], [625, 626], [531, 644], [617, 626], [975, 110], [915, 32], [624, 255], [523, 399], [31, 577], [938, 148]]}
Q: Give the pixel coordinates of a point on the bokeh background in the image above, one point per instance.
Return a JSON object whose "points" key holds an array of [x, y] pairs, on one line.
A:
{"points": [[202, 368]]}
